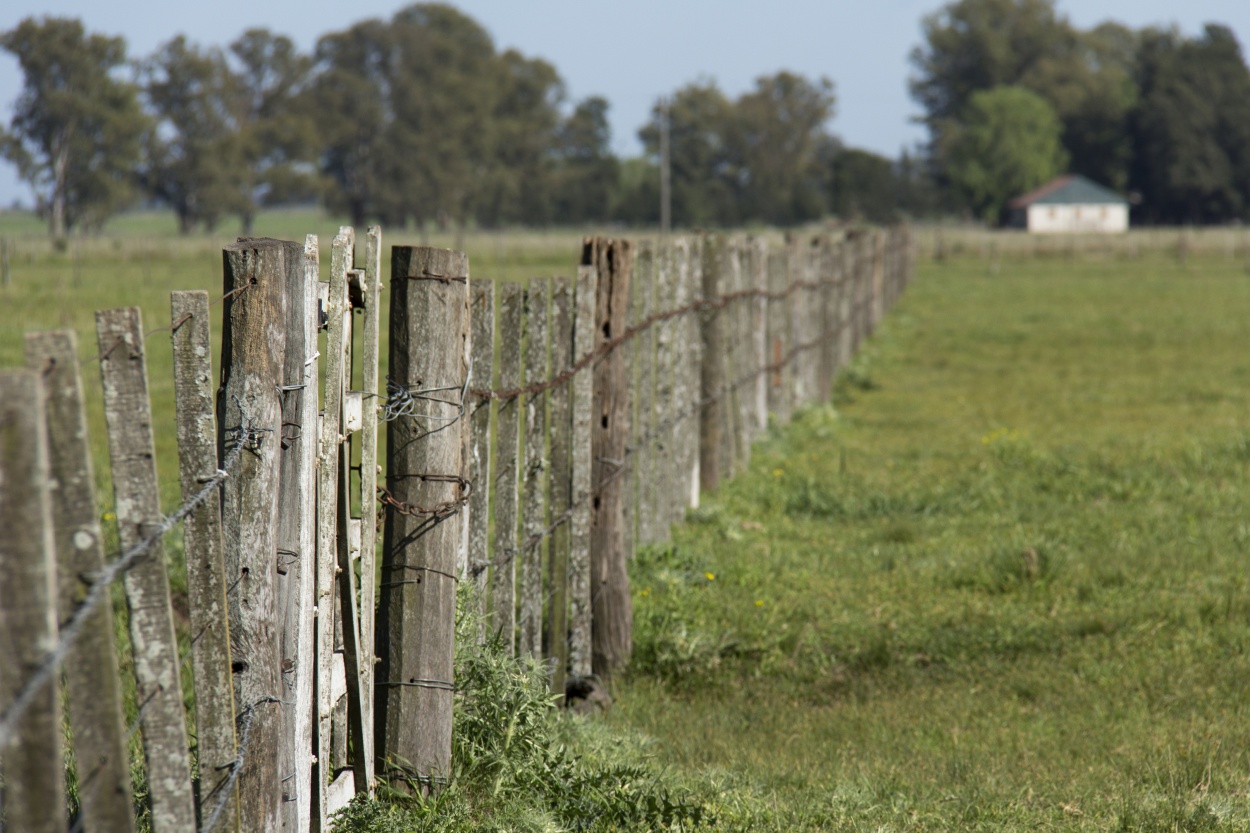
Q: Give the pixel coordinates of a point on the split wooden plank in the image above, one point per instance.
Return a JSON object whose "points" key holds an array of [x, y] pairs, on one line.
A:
{"points": [[779, 341], [670, 486], [371, 348], [206, 579], [430, 349], [645, 460], [580, 523], [249, 411], [712, 377], [329, 438], [560, 481], [688, 346], [92, 681], [34, 788], [128, 416], [534, 472], [297, 539], [482, 312], [349, 726], [612, 632], [507, 427]]}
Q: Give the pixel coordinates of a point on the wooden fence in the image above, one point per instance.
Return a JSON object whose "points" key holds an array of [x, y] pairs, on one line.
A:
{"points": [[537, 435]]}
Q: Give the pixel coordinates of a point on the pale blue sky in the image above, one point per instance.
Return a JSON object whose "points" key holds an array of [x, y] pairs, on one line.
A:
{"points": [[631, 53]]}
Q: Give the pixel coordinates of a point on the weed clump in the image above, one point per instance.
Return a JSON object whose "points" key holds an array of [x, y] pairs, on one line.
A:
{"points": [[521, 764]]}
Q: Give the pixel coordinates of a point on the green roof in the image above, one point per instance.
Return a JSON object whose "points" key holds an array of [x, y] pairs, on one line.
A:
{"points": [[1072, 189]]}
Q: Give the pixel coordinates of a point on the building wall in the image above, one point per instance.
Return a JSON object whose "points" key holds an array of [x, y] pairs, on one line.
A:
{"points": [[1059, 219]]}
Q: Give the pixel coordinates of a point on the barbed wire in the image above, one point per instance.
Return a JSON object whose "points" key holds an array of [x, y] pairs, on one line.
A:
{"points": [[97, 593], [168, 328]]}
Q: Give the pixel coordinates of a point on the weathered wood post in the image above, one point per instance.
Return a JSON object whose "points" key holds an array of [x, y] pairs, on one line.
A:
{"points": [[612, 632], [507, 449], [249, 411], [297, 532], [669, 487], [429, 351], [206, 579], [329, 439], [560, 482], [534, 474], [34, 789], [482, 312], [646, 461], [712, 380], [780, 378], [584, 328], [128, 416], [690, 350], [92, 683]]}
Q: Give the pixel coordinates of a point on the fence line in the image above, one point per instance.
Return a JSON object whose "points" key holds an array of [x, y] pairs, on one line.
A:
{"points": [[620, 394]]}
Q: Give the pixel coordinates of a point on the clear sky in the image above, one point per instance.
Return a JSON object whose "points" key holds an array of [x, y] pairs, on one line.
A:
{"points": [[631, 53]]}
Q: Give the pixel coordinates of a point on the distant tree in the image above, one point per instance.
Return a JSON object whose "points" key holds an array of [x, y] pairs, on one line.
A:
{"points": [[636, 200], [523, 138], [863, 186], [1086, 77], [76, 128], [777, 140], [704, 174], [1007, 141], [277, 130], [975, 45], [586, 174], [1192, 128], [354, 81], [432, 124], [196, 155]]}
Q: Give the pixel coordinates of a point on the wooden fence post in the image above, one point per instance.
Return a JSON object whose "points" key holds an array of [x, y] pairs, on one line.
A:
{"points": [[249, 410], [206, 580], [482, 313], [297, 533], [560, 482], [668, 488], [645, 459], [507, 428], [712, 380], [759, 329], [584, 325], [779, 338], [328, 442], [690, 351], [92, 682], [430, 349], [128, 415], [34, 789], [367, 649], [534, 475], [611, 633]]}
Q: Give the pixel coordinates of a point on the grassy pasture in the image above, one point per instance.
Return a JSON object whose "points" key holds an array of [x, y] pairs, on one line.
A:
{"points": [[998, 585]]}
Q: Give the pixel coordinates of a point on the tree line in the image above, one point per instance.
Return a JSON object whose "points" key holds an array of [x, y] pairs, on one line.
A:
{"points": [[1014, 94], [412, 120], [419, 119]]}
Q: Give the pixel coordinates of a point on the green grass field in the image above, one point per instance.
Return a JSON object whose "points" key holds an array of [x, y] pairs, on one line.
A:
{"points": [[998, 585]]}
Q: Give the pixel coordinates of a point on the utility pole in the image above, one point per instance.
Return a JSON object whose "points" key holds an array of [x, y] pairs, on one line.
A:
{"points": [[666, 185]]}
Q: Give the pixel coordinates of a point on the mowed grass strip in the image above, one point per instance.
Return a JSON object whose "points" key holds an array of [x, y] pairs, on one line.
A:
{"points": [[999, 584]]}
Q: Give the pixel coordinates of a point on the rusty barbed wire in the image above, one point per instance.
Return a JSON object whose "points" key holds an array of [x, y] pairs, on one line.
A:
{"points": [[97, 593]]}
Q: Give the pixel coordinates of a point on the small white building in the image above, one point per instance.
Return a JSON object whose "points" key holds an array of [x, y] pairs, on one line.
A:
{"points": [[1070, 204]]}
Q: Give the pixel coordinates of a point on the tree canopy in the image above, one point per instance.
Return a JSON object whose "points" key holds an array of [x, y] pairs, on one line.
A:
{"points": [[1006, 142], [75, 133], [1149, 112]]}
